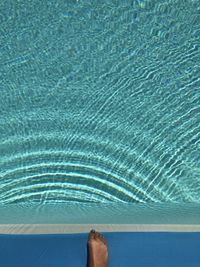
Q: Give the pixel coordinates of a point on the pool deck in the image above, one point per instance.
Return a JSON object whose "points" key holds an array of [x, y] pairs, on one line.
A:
{"points": [[125, 249], [85, 228]]}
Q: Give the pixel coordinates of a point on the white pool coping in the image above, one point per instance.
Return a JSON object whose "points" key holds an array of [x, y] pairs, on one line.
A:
{"points": [[85, 228]]}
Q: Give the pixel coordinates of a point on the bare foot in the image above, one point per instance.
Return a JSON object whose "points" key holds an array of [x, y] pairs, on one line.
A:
{"points": [[97, 250]]}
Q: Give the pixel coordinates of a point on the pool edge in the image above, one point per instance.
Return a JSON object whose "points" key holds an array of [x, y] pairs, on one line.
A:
{"points": [[85, 228]]}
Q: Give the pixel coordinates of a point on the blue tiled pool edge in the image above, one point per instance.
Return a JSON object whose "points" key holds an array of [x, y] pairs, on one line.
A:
{"points": [[125, 249]]}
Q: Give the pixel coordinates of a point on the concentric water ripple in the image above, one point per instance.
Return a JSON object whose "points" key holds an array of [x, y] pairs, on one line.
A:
{"points": [[100, 102]]}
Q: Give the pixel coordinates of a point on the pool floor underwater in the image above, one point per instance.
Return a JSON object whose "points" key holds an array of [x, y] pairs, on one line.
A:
{"points": [[134, 249]]}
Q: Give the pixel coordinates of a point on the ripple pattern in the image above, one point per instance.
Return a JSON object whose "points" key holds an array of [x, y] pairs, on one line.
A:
{"points": [[100, 101]]}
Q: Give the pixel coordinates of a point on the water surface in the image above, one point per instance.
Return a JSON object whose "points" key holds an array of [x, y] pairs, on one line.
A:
{"points": [[99, 102]]}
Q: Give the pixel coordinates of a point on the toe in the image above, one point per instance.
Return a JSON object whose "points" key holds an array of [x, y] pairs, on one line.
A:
{"points": [[98, 234], [91, 234], [100, 237], [103, 239]]}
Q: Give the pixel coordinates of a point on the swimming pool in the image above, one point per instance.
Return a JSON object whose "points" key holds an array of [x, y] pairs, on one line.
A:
{"points": [[100, 104]]}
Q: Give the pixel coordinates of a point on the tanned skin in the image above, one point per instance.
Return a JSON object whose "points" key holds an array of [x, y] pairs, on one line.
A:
{"points": [[97, 250]]}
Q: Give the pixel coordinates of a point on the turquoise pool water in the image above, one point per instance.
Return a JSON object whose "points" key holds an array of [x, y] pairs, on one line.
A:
{"points": [[100, 102]]}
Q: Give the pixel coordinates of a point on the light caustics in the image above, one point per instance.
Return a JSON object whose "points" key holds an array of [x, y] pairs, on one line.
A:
{"points": [[100, 102]]}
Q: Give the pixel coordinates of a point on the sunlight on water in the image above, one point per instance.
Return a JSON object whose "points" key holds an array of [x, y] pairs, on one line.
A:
{"points": [[100, 102]]}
